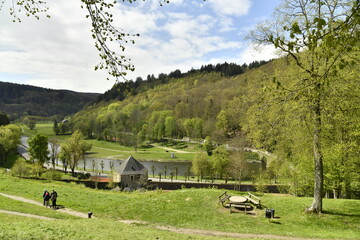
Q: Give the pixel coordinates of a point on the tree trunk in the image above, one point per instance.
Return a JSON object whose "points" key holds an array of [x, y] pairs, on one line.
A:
{"points": [[347, 186], [316, 206]]}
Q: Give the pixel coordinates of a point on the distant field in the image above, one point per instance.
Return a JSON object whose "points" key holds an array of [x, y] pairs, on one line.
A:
{"points": [[186, 208], [112, 150]]}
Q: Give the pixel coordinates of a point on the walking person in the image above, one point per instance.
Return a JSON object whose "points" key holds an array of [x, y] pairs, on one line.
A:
{"points": [[46, 199], [46, 193], [53, 198]]}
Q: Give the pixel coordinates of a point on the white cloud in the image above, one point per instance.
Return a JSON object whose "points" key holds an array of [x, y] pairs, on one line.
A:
{"points": [[231, 7], [59, 52], [255, 52], [54, 53]]}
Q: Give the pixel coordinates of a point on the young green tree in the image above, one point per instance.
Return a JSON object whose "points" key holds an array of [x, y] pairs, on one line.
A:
{"points": [[74, 149], [200, 165], [220, 160], [208, 145], [38, 148], [170, 126], [9, 139], [54, 151], [153, 168], [317, 36]]}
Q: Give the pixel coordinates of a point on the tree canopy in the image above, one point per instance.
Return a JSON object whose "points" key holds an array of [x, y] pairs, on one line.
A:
{"points": [[9, 139], [38, 148], [317, 37]]}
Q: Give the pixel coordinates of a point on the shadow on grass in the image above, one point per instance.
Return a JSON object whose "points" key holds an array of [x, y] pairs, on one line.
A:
{"points": [[58, 207], [90, 153], [338, 213]]}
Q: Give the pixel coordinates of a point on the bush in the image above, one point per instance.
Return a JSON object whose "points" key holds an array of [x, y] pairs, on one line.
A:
{"points": [[21, 169], [52, 175], [112, 184], [283, 188], [83, 175]]}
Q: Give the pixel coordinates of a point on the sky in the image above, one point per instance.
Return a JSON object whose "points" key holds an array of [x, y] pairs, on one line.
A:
{"points": [[59, 52]]}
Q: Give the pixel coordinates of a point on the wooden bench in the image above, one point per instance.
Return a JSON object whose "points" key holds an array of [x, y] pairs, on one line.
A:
{"points": [[223, 198], [238, 205], [256, 201]]}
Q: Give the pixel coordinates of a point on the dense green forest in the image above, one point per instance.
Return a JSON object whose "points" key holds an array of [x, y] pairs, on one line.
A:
{"points": [[18, 100], [121, 90]]}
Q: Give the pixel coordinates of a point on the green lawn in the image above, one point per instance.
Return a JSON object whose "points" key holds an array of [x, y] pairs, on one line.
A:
{"points": [[112, 150], [194, 208]]}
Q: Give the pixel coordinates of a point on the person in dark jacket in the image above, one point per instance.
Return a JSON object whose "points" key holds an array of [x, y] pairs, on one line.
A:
{"points": [[47, 197], [46, 193], [53, 198]]}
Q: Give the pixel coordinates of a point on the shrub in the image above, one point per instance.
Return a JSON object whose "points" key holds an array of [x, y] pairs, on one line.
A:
{"points": [[83, 175], [52, 174], [21, 169]]}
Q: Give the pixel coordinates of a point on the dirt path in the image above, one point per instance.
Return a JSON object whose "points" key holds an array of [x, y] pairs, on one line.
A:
{"points": [[213, 233], [188, 231], [26, 215], [63, 210], [172, 149]]}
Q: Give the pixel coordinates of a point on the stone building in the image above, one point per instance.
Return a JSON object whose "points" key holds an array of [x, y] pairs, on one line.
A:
{"points": [[131, 173]]}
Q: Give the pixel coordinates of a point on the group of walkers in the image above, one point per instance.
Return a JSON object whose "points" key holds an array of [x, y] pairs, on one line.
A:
{"points": [[50, 196]]}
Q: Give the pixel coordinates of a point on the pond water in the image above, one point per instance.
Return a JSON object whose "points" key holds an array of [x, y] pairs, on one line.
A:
{"points": [[182, 167]]}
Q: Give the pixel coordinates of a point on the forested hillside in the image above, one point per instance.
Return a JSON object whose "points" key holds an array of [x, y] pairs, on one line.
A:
{"points": [[17, 100], [257, 106]]}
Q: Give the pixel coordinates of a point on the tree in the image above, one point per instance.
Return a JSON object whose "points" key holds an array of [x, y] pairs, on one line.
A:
{"points": [[56, 128], [102, 165], [64, 160], [316, 36], [29, 122], [237, 167], [208, 146], [9, 139], [38, 148], [170, 126], [54, 151], [220, 160], [201, 165], [74, 149], [153, 168], [160, 174], [4, 119]]}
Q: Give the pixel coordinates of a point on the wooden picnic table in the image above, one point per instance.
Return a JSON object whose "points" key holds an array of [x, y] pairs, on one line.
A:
{"points": [[237, 199]]}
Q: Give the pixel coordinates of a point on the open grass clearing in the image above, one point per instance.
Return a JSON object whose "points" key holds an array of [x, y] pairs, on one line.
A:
{"points": [[199, 209], [109, 150], [22, 228]]}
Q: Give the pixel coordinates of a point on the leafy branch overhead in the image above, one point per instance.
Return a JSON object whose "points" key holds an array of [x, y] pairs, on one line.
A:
{"points": [[29, 7], [104, 32], [100, 12]]}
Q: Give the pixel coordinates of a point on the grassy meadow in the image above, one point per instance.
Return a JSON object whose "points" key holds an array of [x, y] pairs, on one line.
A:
{"points": [[185, 208], [112, 150]]}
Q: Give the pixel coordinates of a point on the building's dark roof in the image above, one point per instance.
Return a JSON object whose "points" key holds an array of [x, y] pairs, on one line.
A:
{"points": [[131, 166]]}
